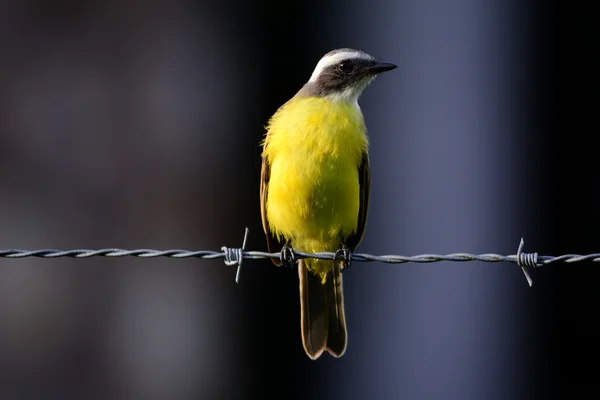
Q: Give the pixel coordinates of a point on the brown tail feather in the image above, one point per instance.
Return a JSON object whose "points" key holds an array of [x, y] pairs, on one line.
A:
{"points": [[337, 336], [322, 313], [313, 312]]}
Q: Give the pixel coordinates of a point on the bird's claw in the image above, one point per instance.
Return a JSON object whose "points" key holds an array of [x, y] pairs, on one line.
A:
{"points": [[288, 257], [345, 255]]}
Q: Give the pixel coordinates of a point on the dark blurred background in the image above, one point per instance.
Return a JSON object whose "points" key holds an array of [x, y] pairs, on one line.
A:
{"points": [[136, 124]]}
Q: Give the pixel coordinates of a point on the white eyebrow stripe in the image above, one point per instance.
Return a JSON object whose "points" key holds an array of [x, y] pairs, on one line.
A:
{"points": [[335, 58]]}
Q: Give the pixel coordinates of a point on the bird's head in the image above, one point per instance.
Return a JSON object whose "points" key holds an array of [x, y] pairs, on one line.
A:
{"points": [[341, 75]]}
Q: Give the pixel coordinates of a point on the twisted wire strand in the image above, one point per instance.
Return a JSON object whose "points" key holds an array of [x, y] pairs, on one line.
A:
{"points": [[236, 256], [258, 255], [231, 254]]}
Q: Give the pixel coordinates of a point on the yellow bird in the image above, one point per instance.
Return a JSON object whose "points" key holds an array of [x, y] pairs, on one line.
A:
{"points": [[314, 188]]}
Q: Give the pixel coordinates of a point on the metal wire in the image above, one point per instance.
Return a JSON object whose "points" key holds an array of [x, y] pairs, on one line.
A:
{"points": [[235, 256], [230, 254]]}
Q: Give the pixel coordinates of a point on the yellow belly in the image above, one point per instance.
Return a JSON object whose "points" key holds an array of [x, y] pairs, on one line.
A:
{"points": [[314, 148]]}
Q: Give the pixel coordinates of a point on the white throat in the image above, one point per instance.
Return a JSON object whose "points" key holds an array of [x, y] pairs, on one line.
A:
{"points": [[351, 93]]}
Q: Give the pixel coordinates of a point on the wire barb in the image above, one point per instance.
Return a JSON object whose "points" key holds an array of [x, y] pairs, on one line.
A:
{"points": [[526, 260], [236, 256]]}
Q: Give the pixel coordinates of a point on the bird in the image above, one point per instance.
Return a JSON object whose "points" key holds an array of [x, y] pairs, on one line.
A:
{"points": [[314, 189]]}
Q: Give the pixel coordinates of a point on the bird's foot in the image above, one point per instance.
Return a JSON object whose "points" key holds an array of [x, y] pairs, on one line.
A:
{"points": [[288, 257], [345, 255]]}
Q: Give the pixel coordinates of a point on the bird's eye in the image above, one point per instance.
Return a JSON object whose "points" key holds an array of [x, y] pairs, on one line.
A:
{"points": [[346, 66]]}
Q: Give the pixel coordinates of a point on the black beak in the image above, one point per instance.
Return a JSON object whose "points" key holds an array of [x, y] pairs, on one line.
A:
{"points": [[380, 66]]}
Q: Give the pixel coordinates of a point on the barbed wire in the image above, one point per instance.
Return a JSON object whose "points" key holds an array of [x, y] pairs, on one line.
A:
{"points": [[236, 256]]}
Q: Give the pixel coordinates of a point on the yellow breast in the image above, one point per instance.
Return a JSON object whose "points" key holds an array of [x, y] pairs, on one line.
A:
{"points": [[314, 148]]}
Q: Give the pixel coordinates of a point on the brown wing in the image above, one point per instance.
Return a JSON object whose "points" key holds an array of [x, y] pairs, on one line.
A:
{"points": [[273, 244], [364, 181]]}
